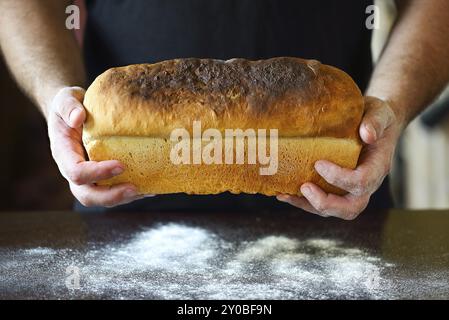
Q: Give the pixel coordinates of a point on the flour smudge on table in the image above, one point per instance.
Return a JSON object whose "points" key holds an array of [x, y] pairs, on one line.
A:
{"points": [[178, 261]]}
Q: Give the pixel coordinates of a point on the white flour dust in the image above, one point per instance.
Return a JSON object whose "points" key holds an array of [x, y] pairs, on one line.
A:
{"points": [[169, 248], [178, 261]]}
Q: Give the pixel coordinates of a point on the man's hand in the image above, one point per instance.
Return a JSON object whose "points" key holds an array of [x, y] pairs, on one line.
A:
{"points": [[380, 130], [65, 120]]}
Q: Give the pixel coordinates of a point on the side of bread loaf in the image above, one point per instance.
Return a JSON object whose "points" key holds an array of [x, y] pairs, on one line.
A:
{"points": [[133, 110]]}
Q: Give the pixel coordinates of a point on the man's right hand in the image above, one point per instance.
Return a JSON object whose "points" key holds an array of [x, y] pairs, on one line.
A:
{"points": [[65, 123]]}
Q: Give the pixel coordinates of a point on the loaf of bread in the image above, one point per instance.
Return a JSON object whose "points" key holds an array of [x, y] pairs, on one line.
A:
{"points": [[133, 111]]}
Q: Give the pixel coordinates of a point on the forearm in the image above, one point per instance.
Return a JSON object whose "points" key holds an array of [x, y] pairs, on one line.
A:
{"points": [[40, 51], [414, 66]]}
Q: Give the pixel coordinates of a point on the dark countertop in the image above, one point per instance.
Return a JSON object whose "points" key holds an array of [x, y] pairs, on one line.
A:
{"points": [[230, 255]]}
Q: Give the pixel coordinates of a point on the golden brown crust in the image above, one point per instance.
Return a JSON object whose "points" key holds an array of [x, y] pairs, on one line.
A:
{"points": [[148, 166], [301, 98], [132, 111]]}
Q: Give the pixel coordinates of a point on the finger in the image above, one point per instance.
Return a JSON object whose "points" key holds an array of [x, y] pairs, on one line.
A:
{"points": [[68, 105], [361, 181], [105, 196], [68, 153], [299, 202], [346, 208], [378, 117], [340, 177], [88, 172]]}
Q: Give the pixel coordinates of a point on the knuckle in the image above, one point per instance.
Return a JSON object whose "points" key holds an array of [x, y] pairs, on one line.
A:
{"points": [[359, 208], [87, 202], [327, 213], [361, 185], [362, 180], [351, 216], [359, 190], [114, 199], [84, 200], [321, 207], [346, 183], [324, 215], [75, 177], [112, 202]]}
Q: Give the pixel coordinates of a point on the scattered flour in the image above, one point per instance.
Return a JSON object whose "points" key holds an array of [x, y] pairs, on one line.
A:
{"points": [[39, 251], [170, 248], [178, 261]]}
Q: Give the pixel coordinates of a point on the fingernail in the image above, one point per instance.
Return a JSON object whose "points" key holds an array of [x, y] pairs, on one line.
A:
{"points": [[319, 166], [281, 197], [117, 171], [371, 130], [74, 115], [129, 193], [307, 191]]}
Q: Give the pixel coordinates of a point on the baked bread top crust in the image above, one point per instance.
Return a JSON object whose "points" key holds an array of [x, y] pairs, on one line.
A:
{"points": [[300, 98]]}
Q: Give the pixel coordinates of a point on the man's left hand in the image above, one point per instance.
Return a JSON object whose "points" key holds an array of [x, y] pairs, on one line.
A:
{"points": [[379, 130]]}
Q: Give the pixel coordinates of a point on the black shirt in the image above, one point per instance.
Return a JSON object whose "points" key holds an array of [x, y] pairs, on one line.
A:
{"points": [[122, 32]]}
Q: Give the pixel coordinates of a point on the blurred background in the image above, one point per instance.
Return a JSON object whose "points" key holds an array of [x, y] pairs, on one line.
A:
{"points": [[30, 179]]}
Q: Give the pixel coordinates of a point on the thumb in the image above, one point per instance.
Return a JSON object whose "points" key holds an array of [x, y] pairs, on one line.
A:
{"points": [[377, 118], [68, 105]]}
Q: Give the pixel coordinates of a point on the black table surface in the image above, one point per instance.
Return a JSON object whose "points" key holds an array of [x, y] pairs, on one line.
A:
{"points": [[224, 255]]}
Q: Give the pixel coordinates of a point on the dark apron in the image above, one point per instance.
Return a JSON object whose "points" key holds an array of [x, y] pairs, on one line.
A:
{"points": [[122, 32]]}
